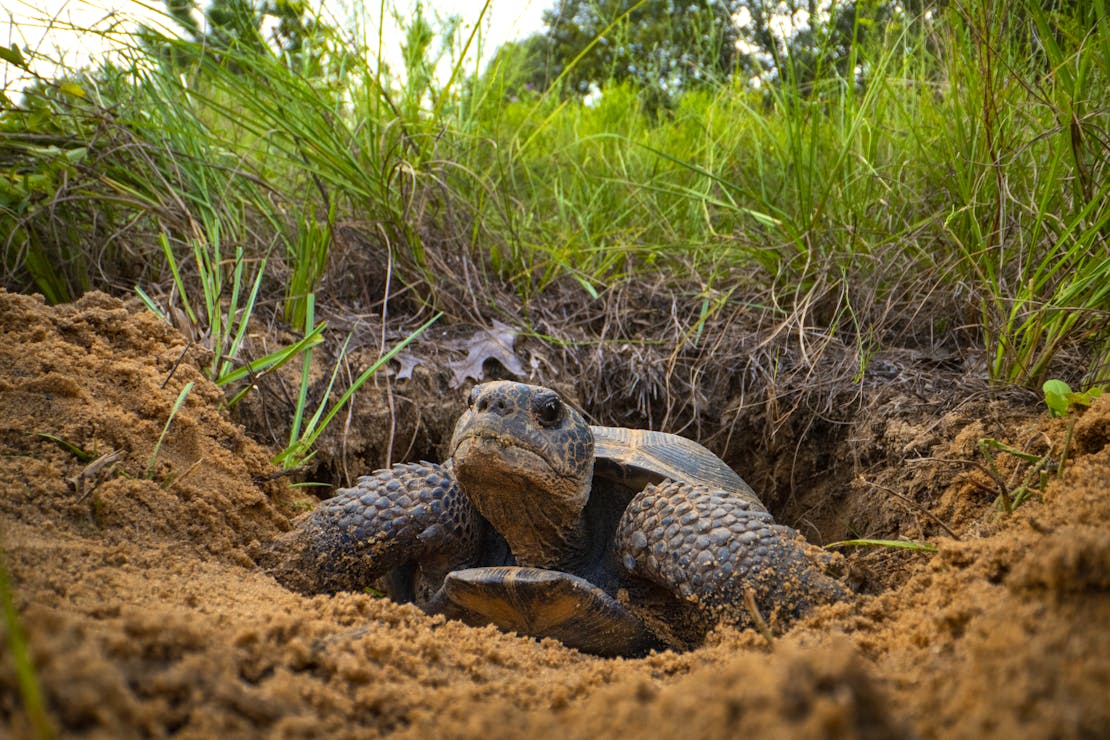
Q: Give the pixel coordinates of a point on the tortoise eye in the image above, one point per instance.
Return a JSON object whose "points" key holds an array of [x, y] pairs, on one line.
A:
{"points": [[472, 397], [549, 410]]}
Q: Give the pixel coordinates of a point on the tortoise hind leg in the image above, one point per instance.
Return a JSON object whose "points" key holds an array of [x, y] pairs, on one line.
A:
{"points": [[547, 603], [708, 548]]}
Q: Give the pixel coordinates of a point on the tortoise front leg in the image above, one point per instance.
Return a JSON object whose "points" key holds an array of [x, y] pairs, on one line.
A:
{"points": [[410, 513], [546, 603], [710, 548]]}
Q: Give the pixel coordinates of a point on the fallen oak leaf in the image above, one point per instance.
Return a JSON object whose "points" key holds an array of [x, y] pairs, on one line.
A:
{"points": [[407, 362], [486, 344]]}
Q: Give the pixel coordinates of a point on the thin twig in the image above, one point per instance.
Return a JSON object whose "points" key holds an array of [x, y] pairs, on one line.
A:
{"points": [[94, 472], [176, 364], [757, 618], [186, 474], [915, 505]]}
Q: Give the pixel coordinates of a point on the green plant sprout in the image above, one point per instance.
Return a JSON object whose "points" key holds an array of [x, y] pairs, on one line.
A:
{"points": [[1060, 398], [1061, 401], [299, 450], [1033, 483]]}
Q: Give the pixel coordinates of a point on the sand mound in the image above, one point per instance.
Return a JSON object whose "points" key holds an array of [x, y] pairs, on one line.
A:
{"points": [[146, 615]]}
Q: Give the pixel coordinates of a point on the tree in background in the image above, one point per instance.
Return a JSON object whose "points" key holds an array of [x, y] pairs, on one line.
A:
{"points": [[524, 66], [667, 46], [661, 46], [286, 26]]}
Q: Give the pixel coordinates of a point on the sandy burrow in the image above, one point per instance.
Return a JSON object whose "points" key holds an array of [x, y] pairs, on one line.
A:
{"points": [[146, 615]]}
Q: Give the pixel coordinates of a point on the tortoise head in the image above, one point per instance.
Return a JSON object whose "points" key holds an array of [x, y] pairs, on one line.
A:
{"points": [[525, 460]]}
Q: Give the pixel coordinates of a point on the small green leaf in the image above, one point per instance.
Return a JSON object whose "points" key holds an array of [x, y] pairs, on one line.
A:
{"points": [[1056, 396], [763, 218], [587, 286], [80, 454], [72, 88], [13, 55], [1084, 398]]}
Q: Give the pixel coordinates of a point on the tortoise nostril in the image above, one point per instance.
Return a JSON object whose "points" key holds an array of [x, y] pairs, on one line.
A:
{"points": [[495, 405]]}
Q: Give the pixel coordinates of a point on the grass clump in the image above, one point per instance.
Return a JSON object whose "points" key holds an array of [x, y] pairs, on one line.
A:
{"points": [[1033, 482], [931, 179], [1030, 154], [305, 432]]}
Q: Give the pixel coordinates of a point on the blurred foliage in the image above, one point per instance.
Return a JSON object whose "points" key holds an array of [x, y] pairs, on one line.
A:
{"points": [[951, 166]]}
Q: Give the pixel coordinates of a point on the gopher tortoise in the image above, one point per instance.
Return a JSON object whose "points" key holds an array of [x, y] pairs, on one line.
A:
{"points": [[613, 541]]}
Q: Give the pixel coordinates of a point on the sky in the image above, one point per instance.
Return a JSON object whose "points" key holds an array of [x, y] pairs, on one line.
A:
{"points": [[44, 25]]}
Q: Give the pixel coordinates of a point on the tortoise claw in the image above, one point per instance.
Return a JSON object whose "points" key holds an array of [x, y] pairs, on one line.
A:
{"points": [[547, 603]]}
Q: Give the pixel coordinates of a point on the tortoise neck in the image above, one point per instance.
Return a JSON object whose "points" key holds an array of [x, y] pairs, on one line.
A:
{"points": [[564, 546], [577, 547], [541, 517]]}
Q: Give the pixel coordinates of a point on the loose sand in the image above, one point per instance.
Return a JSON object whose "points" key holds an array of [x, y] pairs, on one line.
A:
{"points": [[145, 613]]}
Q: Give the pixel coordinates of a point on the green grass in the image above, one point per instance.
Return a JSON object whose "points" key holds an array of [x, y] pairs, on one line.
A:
{"points": [[949, 171], [29, 690], [304, 432], [177, 404]]}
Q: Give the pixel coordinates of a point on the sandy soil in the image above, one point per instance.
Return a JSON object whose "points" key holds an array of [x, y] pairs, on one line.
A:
{"points": [[146, 615]]}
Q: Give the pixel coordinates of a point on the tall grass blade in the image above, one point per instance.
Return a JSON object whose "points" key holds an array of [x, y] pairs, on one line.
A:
{"points": [[29, 689], [166, 428]]}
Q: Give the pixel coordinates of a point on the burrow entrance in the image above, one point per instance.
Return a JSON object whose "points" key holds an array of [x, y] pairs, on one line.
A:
{"points": [[887, 453]]}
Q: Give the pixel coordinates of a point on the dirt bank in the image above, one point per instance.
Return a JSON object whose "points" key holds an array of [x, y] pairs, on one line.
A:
{"points": [[145, 613]]}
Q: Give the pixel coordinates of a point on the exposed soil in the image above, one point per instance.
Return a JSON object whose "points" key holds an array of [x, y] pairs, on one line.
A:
{"points": [[145, 613]]}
